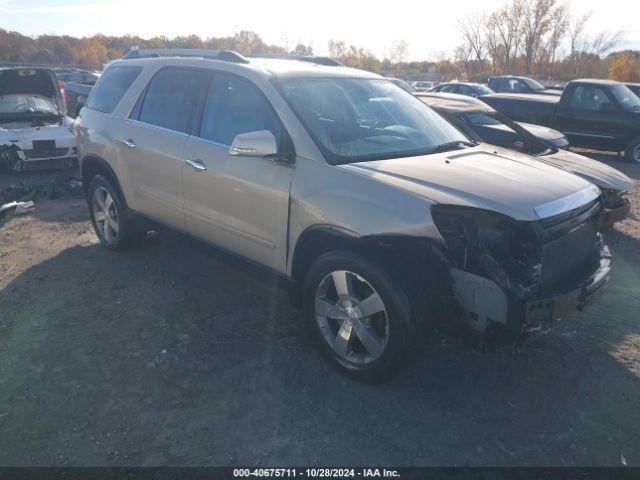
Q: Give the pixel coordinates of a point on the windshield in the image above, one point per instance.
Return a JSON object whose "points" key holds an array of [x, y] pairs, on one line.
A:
{"points": [[21, 103], [626, 97], [482, 90], [532, 84], [367, 119]]}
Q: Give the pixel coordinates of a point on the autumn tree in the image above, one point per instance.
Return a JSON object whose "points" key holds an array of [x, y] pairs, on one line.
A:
{"points": [[625, 68]]}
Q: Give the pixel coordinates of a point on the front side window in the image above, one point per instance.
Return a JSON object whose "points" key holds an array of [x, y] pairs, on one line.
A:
{"points": [[532, 84], [235, 106], [586, 97], [111, 88], [626, 97], [354, 119], [172, 98]]}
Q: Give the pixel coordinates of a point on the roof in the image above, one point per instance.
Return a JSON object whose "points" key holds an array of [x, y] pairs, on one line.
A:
{"points": [[472, 84], [451, 97], [526, 96], [599, 81], [266, 65], [454, 106]]}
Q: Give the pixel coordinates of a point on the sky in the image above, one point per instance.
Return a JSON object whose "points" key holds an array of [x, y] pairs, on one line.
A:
{"points": [[429, 27]]}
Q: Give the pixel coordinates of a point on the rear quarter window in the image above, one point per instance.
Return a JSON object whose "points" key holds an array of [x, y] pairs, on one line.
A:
{"points": [[111, 88]]}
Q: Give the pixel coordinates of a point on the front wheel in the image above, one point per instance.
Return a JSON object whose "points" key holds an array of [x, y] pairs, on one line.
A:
{"points": [[109, 217], [632, 153], [359, 316]]}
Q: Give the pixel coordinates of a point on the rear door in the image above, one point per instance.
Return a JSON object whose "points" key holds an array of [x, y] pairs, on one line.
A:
{"points": [[239, 203], [590, 117], [154, 138]]}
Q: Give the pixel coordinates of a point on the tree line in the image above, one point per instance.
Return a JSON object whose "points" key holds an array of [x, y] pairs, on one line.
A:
{"points": [[539, 38]]}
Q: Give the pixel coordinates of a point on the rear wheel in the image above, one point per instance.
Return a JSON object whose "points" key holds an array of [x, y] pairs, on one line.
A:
{"points": [[632, 153], [109, 217], [359, 317]]}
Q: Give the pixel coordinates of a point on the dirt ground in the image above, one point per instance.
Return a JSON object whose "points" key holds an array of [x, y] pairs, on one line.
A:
{"points": [[174, 355]]}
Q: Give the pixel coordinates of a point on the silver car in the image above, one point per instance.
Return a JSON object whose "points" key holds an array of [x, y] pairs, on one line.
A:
{"points": [[385, 218]]}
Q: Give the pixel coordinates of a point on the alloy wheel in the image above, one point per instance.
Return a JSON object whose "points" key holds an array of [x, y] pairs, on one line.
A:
{"points": [[105, 214], [352, 317]]}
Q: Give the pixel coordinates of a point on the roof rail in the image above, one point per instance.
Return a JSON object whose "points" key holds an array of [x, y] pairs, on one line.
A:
{"points": [[224, 55], [329, 62]]}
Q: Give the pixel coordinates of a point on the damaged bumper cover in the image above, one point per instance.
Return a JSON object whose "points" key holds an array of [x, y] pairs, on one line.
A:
{"points": [[523, 275], [540, 312]]}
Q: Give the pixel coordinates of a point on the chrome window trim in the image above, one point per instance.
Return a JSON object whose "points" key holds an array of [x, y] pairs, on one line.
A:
{"points": [[570, 202], [157, 127]]}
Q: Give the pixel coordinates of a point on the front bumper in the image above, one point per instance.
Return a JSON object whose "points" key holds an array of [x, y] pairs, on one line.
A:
{"points": [[610, 216], [541, 312]]}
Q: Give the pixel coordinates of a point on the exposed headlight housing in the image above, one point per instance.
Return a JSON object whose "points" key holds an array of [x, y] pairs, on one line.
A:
{"points": [[491, 245]]}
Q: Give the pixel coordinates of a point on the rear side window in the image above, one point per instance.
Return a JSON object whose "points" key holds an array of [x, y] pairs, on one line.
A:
{"points": [[112, 86], [235, 106], [172, 98]]}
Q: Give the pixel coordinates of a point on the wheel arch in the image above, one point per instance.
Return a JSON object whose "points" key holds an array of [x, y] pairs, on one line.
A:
{"points": [[418, 264], [92, 165]]}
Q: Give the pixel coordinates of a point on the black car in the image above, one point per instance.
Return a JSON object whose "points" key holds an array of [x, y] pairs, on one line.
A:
{"points": [[513, 84], [598, 114], [482, 123], [485, 124], [462, 88]]}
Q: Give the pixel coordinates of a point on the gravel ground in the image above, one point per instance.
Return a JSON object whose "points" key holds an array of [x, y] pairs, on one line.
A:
{"points": [[174, 355]]}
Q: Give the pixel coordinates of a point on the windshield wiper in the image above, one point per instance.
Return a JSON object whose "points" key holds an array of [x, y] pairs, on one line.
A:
{"points": [[449, 146]]}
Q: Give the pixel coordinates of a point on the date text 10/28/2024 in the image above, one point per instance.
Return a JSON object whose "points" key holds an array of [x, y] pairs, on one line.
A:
{"points": [[316, 472]]}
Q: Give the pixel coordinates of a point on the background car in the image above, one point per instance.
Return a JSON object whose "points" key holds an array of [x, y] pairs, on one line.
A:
{"points": [[513, 84], [422, 85], [484, 124], [463, 88], [402, 84]]}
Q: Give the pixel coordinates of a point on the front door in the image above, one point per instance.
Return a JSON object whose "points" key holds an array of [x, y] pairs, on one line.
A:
{"points": [[239, 203], [590, 119]]}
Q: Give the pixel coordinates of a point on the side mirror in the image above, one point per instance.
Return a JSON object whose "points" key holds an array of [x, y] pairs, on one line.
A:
{"points": [[260, 143]]}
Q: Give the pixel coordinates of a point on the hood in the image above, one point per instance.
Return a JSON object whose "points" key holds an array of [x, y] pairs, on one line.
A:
{"points": [[35, 81], [544, 133], [598, 173], [494, 179]]}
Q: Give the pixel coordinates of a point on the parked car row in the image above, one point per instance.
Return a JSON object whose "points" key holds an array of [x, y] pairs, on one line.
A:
{"points": [[481, 122], [599, 114], [385, 216]]}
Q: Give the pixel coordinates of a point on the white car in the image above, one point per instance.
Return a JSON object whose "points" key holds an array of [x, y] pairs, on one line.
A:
{"points": [[35, 132]]}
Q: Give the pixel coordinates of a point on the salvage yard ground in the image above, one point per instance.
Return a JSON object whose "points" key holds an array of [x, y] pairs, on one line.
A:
{"points": [[173, 355]]}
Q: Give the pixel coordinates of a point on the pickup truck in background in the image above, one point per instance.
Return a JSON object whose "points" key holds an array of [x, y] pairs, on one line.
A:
{"points": [[75, 96], [598, 114], [513, 84]]}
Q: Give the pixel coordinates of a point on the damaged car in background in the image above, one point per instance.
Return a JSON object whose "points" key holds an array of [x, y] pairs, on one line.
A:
{"points": [[35, 132], [481, 122]]}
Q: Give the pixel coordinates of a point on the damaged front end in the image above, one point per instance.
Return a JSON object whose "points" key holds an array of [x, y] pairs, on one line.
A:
{"points": [[523, 275]]}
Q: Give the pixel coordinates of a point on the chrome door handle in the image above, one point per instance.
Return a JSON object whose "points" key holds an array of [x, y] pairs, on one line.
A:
{"points": [[197, 164], [129, 143]]}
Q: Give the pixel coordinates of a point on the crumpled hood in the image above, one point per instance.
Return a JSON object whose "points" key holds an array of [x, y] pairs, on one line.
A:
{"points": [[483, 177], [598, 173]]}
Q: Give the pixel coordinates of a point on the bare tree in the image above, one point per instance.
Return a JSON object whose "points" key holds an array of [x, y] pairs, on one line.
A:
{"points": [[584, 46], [503, 38], [537, 23], [397, 51], [472, 29]]}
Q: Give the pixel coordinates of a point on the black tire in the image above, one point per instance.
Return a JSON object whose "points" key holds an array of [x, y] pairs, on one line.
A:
{"points": [[632, 153], [123, 239], [396, 303]]}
